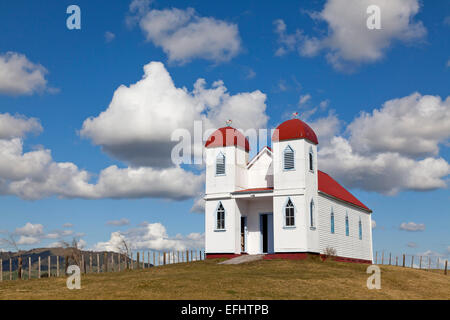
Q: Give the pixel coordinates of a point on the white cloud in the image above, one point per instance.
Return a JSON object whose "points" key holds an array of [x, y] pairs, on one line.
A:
{"points": [[348, 41], [184, 35], [199, 205], [139, 122], [304, 99], [19, 76], [17, 126], [412, 245], [392, 149], [28, 240], [34, 175], [414, 125], [109, 36], [30, 229], [151, 236], [121, 222], [412, 226]]}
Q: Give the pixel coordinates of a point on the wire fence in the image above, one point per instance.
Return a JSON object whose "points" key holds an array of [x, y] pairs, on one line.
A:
{"points": [[425, 262], [36, 267]]}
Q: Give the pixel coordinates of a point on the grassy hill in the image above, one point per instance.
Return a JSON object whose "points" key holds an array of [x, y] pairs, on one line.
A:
{"points": [[266, 279]]}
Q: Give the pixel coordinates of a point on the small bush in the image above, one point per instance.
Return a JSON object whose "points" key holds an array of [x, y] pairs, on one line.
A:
{"points": [[330, 252]]}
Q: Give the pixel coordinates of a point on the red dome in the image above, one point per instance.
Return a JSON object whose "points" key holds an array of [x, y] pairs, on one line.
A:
{"points": [[294, 129], [227, 136]]}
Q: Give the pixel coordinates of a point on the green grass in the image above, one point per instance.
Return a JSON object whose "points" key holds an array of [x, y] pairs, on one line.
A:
{"points": [[266, 279]]}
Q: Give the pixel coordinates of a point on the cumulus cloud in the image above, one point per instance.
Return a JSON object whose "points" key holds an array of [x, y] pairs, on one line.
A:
{"points": [[151, 236], [347, 41], [35, 175], [391, 149], [121, 222], [139, 122], [17, 126], [19, 76], [184, 35], [412, 226], [30, 229], [199, 205], [414, 126]]}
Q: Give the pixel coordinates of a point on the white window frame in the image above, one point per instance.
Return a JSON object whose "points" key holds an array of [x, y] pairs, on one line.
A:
{"points": [[312, 217], [288, 147], [347, 225], [216, 218], [311, 160], [285, 216], [221, 155], [332, 222]]}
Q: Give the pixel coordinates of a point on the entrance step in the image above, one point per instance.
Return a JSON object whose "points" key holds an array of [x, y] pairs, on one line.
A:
{"points": [[243, 259]]}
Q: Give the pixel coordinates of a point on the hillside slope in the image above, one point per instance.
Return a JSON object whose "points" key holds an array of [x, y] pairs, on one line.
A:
{"points": [[267, 279]]}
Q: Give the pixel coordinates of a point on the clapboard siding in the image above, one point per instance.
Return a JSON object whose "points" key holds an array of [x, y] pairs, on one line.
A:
{"points": [[346, 246]]}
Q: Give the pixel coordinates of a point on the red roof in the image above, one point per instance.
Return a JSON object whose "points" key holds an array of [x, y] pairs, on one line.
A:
{"points": [[227, 136], [294, 129], [332, 188]]}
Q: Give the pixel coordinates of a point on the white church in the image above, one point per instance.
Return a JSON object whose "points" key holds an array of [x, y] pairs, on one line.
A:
{"points": [[279, 203]]}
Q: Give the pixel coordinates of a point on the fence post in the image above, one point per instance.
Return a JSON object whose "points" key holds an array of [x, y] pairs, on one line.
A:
{"points": [[49, 269], [112, 262], [390, 258], [82, 264], [445, 269], [187, 256], [39, 267], [412, 261], [10, 269], [154, 258], [90, 263], [132, 262], [429, 263], [98, 263], [420, 262], [19, 268], [437, 263], [382, 258], [192, 255], [396, 261], [1, 269], [148, 259], [57, 266], [137, 260], [404, 260], [105, 261], [143, 260], [164, 258]]}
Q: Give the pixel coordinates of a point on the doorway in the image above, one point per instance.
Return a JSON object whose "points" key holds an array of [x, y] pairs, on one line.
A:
{"points": [[266, 227]]}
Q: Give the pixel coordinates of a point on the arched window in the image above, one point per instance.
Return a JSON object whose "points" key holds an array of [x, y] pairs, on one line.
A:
{"points": [[288, 158], [220, 164], [220, 216], [332, 220], [347, 227], [311, 159], [289, 214], [311, 213], [360, 229]]}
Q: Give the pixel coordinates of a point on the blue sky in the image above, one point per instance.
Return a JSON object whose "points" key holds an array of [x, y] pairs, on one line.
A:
{"points": [[85, 69]]}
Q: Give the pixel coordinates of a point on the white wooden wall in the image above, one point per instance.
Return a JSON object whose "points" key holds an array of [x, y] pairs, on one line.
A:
{"points": [[346, 246]]}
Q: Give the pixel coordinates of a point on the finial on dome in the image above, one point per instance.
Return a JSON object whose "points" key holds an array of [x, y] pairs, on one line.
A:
{"points": [[228, 122], [294, 115]]}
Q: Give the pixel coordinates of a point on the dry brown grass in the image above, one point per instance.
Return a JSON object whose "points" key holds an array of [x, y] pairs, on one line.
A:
{"points": [[267, 279]]}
